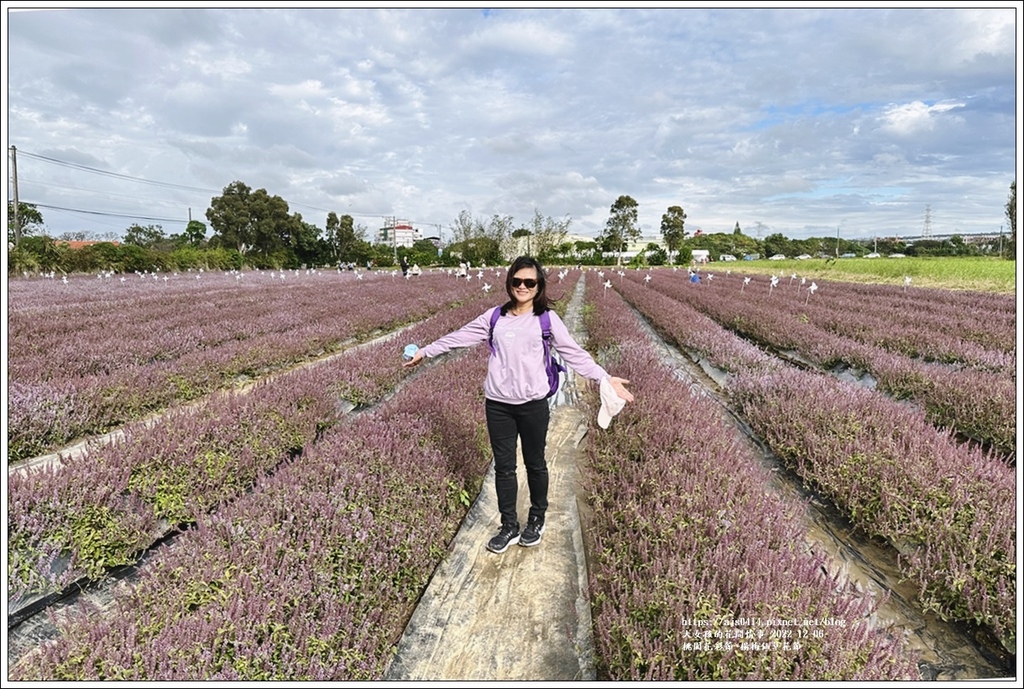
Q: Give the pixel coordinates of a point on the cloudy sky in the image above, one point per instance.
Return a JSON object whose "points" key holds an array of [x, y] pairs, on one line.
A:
{"points": [[806, 122]]}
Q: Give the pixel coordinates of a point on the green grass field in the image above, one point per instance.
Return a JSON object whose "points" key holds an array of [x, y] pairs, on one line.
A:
{"points": [[971, 273]]}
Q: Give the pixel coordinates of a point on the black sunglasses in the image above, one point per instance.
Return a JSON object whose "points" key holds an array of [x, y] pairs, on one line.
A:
{"points": [[529, 282]]}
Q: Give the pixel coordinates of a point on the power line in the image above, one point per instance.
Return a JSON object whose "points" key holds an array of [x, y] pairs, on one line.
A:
{"points": [[54, 185], [105, 213], [168, 185], [116, 175]]}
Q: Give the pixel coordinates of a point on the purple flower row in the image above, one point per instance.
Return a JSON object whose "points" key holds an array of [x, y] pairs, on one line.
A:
{"points": [[696, 571], [960, 333], [957, 334], [80, 366]]}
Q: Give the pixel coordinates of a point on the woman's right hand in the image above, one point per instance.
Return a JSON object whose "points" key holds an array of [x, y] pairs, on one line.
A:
{"points": [[415, 360]]}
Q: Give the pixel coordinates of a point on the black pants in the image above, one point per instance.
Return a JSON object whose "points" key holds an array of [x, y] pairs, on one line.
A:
{"points": [[506, 424]]}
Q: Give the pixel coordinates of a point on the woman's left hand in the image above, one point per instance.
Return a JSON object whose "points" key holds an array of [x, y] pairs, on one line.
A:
{"points": [[619, 385]]}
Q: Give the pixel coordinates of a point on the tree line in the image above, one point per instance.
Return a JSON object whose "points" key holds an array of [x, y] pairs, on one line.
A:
{"points": [[251, 229]]}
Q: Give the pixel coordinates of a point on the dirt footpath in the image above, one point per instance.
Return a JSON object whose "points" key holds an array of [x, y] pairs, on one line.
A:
{"points": [[522, 615]]}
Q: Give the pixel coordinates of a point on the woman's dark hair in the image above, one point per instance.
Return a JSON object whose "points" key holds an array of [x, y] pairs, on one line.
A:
{"points": [[541, 302]]}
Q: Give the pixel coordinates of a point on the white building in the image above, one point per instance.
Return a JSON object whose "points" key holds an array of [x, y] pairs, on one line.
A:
{"points": [[398, 233]]}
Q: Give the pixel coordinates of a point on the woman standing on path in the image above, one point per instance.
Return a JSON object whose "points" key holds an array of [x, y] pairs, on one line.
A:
{"points": [[516, 391]]}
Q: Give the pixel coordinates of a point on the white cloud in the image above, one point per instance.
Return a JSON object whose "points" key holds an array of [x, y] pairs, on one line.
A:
{"points": [[225, 67], [912, 118], [525, 37], [737, 115]]}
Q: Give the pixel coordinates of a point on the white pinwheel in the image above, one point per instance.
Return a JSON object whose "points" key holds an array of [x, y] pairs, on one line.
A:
{"points": [[811, 290]]}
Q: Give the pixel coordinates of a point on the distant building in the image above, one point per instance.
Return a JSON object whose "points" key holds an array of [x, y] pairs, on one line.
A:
{"points": [[398, 233]]}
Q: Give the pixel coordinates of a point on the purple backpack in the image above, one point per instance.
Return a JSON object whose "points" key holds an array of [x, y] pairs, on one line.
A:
{"points": [[551, 364]]}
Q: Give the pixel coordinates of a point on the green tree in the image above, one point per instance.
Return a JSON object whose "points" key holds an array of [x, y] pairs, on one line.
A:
{"points": [[382, 255], [928, 247], [254, 223], [100, 256], [621, 227], [777, 243], [21, 260], [464, 227], [37, 253], [359, 253], [29, 220], [304, 242], [331, 228], [655, 255], [546, 236], [422, 253], [195, 233], [498, 233], [477, 243], [345, 242], [147, 237], [891, 245], [673, 229], [737, 229]]}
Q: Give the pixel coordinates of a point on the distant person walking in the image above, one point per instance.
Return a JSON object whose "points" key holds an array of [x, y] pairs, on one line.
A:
{"points": [[405, 266], [516, 392]]}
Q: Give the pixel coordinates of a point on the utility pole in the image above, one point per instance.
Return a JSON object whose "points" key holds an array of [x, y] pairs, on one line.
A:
{"points": [[14, 182], [837, 239]]}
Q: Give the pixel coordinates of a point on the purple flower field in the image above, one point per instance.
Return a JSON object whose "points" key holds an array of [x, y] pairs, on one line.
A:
{"points": [[951, 353], [300, 545], [697, 572], [947, 504], [90, 355]]}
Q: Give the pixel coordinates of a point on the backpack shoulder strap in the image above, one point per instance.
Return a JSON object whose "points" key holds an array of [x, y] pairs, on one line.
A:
{"points": [[495, 315], [553, 365], [545, 326], [548, 337]]}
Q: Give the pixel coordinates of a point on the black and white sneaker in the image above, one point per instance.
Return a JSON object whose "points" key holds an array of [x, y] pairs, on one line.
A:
{"points": [[509, 535], [532, 533]]}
